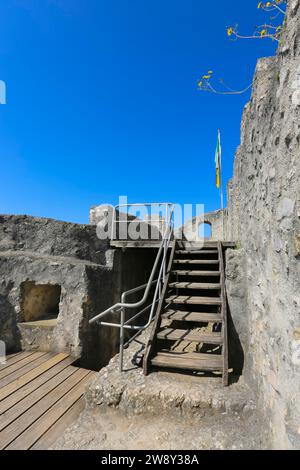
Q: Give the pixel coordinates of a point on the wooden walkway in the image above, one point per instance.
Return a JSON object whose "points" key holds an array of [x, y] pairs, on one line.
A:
{"points": [[41, 394]]}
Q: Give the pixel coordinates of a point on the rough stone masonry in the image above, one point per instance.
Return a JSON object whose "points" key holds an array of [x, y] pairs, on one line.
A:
{"points": [[55, 276], [263, 276]]}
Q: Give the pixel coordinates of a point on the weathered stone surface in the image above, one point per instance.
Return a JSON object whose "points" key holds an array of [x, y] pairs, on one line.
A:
{"points": [[162, 393], [51, 237], [163, 411], [74, 277], [43, 253], [144, 227], [263, 213], [238, 327], [112, 430], [191, 230]]}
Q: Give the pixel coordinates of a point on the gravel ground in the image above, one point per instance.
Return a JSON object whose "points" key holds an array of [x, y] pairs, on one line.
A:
{"points": [[95, 430]]}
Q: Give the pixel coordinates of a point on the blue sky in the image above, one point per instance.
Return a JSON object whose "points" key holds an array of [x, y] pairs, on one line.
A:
{"points": [[102, 101]]}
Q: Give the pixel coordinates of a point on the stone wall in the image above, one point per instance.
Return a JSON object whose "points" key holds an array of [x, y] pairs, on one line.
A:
{"points": [[216, 219], [38, 254], [50, 237], [135, 229], [263, 276]]}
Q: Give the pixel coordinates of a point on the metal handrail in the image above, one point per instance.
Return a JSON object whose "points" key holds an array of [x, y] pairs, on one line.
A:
{"points": [[120, 307]]}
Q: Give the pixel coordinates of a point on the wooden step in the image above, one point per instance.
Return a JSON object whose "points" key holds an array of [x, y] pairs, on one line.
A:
{"points": [[195, 273], [189, 335], [191, 361], [201, 317], [196, 252], [196, 261], [195, 285], [197, 245], [196, 300]]}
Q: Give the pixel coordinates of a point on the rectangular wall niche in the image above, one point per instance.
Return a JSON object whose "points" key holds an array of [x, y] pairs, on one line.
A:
{"points": [[39, 301]]}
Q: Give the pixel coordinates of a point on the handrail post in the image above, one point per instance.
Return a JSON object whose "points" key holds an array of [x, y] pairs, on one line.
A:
{"points": [[166, 219], [121, 348], [113, 224]]}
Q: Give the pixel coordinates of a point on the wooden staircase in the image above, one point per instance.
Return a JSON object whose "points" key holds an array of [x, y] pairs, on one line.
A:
{"points": [[190, 329]]}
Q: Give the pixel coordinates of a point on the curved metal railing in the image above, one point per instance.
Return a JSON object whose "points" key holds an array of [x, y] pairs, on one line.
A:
{"points": [[120, 307]]}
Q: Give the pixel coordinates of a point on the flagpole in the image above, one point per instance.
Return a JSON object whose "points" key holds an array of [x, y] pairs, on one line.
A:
{"points": [[221, 185]]}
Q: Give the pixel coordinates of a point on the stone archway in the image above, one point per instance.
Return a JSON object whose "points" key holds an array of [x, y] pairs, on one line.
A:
{"points": [[205, 229], [190, 230]]}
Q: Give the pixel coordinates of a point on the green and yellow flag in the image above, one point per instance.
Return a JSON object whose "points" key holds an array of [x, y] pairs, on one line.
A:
{"points": [[218, 161]]}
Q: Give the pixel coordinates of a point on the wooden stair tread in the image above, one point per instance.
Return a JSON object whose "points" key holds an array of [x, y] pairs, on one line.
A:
{"points": [[190, 272], [196, 300], [196, 261], [201, 317], [191, 361], [189, 335], [197, 245], [197, 252], [204, 266], [195, 285]]}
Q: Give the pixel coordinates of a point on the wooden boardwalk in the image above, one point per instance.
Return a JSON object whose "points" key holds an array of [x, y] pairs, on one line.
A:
{"points": [[41, 394]]}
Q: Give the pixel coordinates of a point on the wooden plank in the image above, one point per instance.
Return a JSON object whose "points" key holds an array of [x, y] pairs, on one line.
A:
{"points": [[22, 392], [32, 374], [27, 402], [13, 358], [28, 438], [17, 365], [58, 428], [196, 261], [11, 432], [38, 359], [195, 285], [11, 355], [197, 252], [190, 361], [224, 315], [190, 336], [196, 245], [196, 300], [135, 244], [201, 317], [195, 273]]}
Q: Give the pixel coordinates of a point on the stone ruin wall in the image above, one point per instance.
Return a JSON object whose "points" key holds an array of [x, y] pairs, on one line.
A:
{"points": [[191, 230], [263, 274], [38, 254]]}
